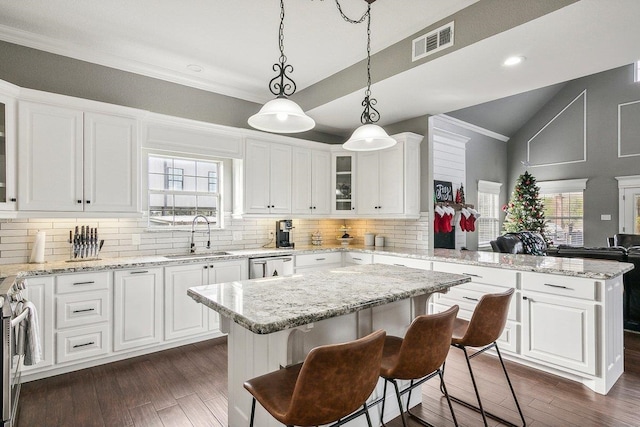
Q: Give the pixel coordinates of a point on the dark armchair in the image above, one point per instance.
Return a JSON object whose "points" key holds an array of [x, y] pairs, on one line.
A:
{"points": [[523, 242], [625, 240]]}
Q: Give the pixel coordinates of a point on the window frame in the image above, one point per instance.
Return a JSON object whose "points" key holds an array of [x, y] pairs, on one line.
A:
{"points": [[493, 189], [564, 187], [219, 224]]}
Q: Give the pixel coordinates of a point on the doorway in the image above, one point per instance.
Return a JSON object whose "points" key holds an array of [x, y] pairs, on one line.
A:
{"points": [[629, 190]]}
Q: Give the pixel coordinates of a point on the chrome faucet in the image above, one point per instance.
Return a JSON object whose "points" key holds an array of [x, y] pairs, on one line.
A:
{"points": [[193, 231]]}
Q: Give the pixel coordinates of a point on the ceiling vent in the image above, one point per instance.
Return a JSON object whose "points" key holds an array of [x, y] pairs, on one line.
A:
{"points": [[432, 42]]}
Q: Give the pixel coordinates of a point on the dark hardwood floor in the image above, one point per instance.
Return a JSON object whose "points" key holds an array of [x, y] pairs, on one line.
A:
{"points": [[186, 386]]}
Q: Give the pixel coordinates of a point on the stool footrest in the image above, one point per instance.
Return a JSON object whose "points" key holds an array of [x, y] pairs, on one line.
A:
{"points": [[487, 413]]}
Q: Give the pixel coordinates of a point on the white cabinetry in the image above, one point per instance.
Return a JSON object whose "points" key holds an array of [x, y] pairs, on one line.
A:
{"points": [[75, 161], [39, 290], [343, 166], [184, 317], [267, 178], [311, 180], [7, 147], [403, 261], [388, 180], [318, 261], [559, 318], [357, 258], [137, 308], [83, 316]]}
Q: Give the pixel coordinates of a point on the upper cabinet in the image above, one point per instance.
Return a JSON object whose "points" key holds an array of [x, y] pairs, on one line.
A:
{"points": [[77, 161], [267, 188], [388, 181], [7, 149], [342, 183], [311, 178]]}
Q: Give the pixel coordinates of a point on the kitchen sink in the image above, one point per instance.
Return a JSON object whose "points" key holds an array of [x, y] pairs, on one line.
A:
{"points": [[203, 255]]}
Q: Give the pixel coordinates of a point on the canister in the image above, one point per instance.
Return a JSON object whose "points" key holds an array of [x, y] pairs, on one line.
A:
{"points": [[369, 239], [379, 241]]}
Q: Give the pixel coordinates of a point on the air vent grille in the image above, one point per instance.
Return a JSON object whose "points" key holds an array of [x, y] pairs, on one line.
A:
{"points": [[432, 42]]}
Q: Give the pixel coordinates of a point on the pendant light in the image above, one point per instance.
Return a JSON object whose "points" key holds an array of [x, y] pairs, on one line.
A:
{"points": [[369, 136], [281, 115]]}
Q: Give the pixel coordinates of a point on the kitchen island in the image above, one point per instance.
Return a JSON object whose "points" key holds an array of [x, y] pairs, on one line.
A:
{"points": [[275, 322]]}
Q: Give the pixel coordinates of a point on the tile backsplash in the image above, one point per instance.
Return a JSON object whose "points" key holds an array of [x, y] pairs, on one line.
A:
{"points": [[17, 235]]}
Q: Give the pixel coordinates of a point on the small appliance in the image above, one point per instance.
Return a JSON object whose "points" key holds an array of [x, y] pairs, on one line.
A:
{"points": [[283, 233]]}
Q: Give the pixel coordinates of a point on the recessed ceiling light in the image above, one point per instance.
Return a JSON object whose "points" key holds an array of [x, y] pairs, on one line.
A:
{"points": [[195, 68], [513, 60]]}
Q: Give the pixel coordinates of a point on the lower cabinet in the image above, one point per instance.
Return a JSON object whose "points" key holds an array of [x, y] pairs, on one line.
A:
{"points": [[39, 290], [403, 261], [318, 261], [137, 314], [185, 317]]}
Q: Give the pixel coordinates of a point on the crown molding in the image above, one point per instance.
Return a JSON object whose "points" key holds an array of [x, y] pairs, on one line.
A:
{"points": [[477, 129]]}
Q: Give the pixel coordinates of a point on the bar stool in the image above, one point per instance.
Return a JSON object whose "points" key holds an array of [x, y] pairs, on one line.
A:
{"points": [[329, 386], [418, 357], [485, 327]]}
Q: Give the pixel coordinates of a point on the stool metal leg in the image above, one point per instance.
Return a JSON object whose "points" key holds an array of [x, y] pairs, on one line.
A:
{"points": [[253, 411], [395, 385]]}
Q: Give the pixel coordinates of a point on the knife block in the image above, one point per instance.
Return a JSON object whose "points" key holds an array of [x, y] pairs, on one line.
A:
{"points": [[81, 253]]}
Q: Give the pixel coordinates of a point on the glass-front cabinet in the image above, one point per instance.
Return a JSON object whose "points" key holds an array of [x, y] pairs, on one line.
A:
{"points": [[7, 151], [343, 166]]}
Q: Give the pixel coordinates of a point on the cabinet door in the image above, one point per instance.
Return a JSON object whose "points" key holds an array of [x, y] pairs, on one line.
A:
{"points": [[184, 317], [301, 193], [256, 185], [221, 272], [367, 183], [39, 290], [50, 155], [343, 188], [137, 308], [280, 179], [110, 163], [391, 180], [560, 331], [321, 182], [7, 153]]}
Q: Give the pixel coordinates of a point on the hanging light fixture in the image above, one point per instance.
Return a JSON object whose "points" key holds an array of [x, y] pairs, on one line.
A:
{"points": [[281, 115], [369, 136]]}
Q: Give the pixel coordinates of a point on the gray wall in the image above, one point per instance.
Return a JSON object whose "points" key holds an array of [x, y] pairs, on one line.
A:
{"points": [[604, 92]]}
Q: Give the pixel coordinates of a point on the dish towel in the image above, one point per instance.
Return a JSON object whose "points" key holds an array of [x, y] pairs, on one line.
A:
{"points": [[31, 333], [275, 268]]}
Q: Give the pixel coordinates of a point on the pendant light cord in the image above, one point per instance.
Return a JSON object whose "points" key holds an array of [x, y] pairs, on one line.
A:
{"points": [[282, 85], [283, 58]]}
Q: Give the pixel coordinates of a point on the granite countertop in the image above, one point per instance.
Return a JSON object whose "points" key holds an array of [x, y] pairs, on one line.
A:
{"points": [[577, 267], [273, 304]]}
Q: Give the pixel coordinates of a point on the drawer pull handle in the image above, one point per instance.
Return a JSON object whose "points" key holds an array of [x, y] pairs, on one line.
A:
{"points": [[400, 265], [357, 259], [320, 259], [556, 286], [473, 275], [84, 345], [471, 299], [84, 310], [140, 272], [91, 282]]}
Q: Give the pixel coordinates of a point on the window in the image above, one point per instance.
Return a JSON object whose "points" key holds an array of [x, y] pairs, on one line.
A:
{"points": [[564, 210], [488, 224], [181, 188], [637, 72]]}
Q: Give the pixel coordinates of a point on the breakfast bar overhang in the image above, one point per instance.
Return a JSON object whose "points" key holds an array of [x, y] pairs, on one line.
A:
{"points": [[274, 322]]}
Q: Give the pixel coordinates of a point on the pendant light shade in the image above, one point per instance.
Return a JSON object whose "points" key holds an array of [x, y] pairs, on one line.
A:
{"points": [[369, 137], [281, 115]]}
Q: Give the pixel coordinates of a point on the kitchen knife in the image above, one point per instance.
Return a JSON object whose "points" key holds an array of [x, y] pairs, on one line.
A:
{"points": [[76, 238]]}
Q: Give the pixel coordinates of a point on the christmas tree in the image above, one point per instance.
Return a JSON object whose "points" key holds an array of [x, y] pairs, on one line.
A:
{"points": [[525, 209]]}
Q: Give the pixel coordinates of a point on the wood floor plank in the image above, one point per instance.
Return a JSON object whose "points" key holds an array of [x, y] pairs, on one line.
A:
{"points": [[145, 416], [112, 405], [197, 412], [174, 416], [219, 408]]}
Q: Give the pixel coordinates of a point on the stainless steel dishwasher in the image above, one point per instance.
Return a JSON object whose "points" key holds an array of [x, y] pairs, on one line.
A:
{"points": [[270, 266]]}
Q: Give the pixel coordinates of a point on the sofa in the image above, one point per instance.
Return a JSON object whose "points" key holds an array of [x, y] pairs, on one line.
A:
{"points": [[522, 242]]}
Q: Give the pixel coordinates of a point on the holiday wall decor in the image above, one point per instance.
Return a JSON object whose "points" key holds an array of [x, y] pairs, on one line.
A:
{"points": [[525, 211]]}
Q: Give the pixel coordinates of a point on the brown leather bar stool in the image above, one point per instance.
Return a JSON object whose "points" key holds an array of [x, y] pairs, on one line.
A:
{"points": [[485, 327], [329, 386], [418, 357]]}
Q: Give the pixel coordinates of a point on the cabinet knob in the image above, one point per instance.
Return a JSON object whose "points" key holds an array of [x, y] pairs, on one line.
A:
{"points": [[88, 202], [13, 199], [205, 267], [525, 298], [79, 202]]}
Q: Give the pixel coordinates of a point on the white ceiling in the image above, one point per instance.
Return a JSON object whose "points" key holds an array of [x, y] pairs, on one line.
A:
{"points": [[235, 42]]}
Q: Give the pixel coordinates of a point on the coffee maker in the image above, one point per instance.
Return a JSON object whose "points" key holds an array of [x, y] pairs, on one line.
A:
{"points": [[283, 233]]}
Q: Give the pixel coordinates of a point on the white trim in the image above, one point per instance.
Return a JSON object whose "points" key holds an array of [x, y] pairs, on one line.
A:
{"points": [[620, 127], [489, 187], [628, 181], [563, 186], [584, 132], [449, 138], [477, 129]]}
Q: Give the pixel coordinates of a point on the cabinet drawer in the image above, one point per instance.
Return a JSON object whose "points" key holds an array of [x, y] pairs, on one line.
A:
{"points": [[357, 258], [82, 309], [468, 295], [319, 259], [406, 262], [80, 282], [81, 343], [490, 276], [560, 285]]}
